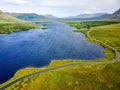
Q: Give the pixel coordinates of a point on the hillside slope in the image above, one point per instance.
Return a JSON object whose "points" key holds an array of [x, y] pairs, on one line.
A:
{"points": [[9, 24], [7, 18], [115, 15]]}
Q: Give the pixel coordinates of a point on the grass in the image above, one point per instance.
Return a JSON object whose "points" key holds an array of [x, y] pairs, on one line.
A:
{"points": [[89, 24], [15, 27], [5, 19], [45, 24], [108, 34], [80, 77]]}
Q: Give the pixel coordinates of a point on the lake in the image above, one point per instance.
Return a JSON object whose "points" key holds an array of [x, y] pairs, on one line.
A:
{"points": [[39, 46]]}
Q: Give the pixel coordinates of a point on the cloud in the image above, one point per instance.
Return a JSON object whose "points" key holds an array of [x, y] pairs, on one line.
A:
{"points": [[18, 2], [75, 3], [61, 3], [60, 7]]}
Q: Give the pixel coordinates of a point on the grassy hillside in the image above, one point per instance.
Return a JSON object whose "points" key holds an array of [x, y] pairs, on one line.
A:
{"points": [[90, 24], [7, 18], [9, 24], [108, 34], [80, 77]]}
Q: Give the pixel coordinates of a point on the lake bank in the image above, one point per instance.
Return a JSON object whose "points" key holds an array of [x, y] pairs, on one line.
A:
{"points": [[36, 48], [98, 73], [6, 28]]}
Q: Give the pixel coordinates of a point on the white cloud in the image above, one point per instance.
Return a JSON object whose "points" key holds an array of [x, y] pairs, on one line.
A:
{"points": [[60, 7], [61, 3], [18, 2], [76, 3]]}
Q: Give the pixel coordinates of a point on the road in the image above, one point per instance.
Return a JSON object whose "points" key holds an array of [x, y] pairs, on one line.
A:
{"points": [[67, 65], [116, 52]]}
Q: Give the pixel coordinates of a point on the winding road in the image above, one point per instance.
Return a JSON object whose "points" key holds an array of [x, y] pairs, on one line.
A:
{"points": [[115, 50], [67, 65]]}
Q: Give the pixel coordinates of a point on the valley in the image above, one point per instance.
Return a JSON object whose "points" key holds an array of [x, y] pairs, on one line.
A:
{"points": [[45, 52], [91, 76]]}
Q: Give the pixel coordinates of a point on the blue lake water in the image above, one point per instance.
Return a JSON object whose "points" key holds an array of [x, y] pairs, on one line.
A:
{"points": [[38, 47]]}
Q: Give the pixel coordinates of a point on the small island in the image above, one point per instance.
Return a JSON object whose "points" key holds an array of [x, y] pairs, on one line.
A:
{"points": [[44, 26]]}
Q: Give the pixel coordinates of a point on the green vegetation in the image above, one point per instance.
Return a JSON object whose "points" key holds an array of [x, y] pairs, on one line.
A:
{"points": [[89, 24], [45, 24], [7, 18], [3, 20], [79, 77], [9, 24], [15, 27], [107, 34], [83, 31]]}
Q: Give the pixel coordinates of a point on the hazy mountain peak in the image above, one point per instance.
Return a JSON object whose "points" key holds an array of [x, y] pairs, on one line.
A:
{"points": [[89, 16], [117, 12], [116, 15]]}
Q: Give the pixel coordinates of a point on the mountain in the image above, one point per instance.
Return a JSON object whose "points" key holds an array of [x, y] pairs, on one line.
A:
{"points": [[89, 16], [7, 18], [115, 15], [32, 16], [50, 16], [37, 17]]}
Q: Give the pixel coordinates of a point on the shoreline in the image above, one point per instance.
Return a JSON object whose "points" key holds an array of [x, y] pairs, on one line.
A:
{"points": [[84, 61], [7, 28]]}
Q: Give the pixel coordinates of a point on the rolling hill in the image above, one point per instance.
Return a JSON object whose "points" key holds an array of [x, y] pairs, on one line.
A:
{"points": [[7, 18], [92, 16], [9, 24], [32, 16]]}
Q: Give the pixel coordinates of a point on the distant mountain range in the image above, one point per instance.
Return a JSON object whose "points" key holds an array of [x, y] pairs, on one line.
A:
{"points": [[37, 17], [115, 15], [89, 16], [8, 18]]}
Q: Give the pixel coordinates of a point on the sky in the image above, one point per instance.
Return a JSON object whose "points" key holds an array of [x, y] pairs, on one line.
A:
{"points": [[60, 8]]}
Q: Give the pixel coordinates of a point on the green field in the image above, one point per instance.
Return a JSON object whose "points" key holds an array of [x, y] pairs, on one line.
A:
{"points": [[90, 24], [80, 77], [15, 27]]}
